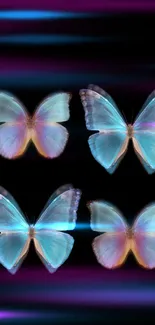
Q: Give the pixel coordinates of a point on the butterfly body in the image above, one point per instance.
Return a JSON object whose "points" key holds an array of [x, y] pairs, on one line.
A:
{"points": [[130, 234], [31, 232], [130, 132], [30, 123]]}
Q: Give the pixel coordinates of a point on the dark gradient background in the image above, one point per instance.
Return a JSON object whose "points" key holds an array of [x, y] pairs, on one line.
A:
{"points": [[111, 45]]}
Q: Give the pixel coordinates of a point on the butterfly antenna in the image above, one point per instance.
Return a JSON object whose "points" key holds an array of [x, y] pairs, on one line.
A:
{"points": [[132, 116], [34, 220], [125, 119]]}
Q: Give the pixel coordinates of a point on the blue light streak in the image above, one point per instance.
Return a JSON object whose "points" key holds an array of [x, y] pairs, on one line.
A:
{"points": [[40, 15], [45, 39]]}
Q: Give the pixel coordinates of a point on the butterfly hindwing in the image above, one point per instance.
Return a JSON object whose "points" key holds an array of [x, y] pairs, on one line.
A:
{"points": [[52, 245], [13, 248], [108, 148], [14, 235], [50, 140], [111, 249]]}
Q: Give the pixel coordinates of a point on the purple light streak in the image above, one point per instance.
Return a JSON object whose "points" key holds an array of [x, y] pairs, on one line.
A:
{"points": [[79, 286], [98, 5], [35, 64], [7, 314], [22, 67]]}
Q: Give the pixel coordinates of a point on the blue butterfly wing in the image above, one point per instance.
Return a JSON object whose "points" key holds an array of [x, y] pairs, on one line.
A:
{"points": [[58, 192], [14, 238], [106, 218], [144, 239], [10, 198], [108, 148], [54, 108], [11, 109], [144, 134], [53, 247], [13, 249], [60, 213], [101, 113]]}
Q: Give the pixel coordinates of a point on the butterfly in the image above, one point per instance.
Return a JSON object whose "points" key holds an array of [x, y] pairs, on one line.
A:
{"points": [[109, 145], [18, 127], [112, 247], [52, 245]]}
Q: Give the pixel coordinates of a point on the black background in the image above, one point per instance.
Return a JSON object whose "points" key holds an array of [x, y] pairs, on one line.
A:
{"points": [[31, 179]]}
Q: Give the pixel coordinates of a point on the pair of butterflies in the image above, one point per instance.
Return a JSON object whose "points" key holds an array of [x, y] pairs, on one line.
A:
{"points": [[101, 114], [54, 246]]}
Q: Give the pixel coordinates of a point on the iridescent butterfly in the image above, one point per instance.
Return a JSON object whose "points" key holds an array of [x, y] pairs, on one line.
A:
{"points": [[19, 128], [112, 247], [52, 245], [110, 144]]}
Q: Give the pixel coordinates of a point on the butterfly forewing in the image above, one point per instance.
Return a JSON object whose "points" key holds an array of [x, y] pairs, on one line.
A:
{"points": [[61, 211], [106, 218], [54, 108], [56, 194], [101, 114], [11, 109]]}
